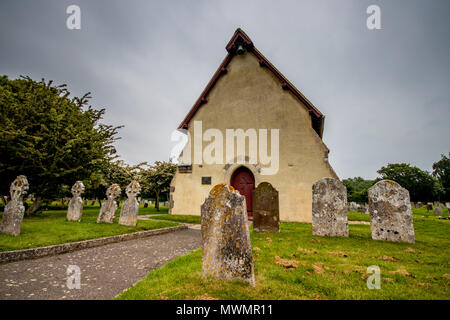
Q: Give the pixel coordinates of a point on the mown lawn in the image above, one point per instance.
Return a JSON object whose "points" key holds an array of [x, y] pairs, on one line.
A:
{"points": [[179, 218], [328, 268], [50, 227]]}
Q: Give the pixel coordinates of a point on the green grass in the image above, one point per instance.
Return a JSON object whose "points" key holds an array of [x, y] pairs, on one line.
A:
{"points": [[51, 227], [179, 218], [342, 277], [56, 205]]}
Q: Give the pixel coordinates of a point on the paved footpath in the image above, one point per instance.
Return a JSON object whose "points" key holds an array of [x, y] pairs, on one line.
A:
{"points": [[105, 271]]}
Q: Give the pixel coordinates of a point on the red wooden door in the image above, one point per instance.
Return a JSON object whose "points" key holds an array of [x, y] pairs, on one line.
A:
{"points": [[243, 181]]}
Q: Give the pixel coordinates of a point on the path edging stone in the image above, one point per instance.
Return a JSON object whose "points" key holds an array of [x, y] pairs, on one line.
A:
{"points": [[34, 253]]}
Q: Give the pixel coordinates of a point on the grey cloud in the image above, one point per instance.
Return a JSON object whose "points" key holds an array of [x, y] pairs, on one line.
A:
{"points": [[385, 93]]}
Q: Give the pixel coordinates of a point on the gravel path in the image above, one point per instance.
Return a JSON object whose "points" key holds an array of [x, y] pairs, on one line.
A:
{"points": [[105, 271]]}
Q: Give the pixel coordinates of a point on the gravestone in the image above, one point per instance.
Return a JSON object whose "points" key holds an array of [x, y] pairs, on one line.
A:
{"points": [[447, 204], [14, 209], [226, 247], [145, 203], [390, 212], [109, 206], [75, 209], [86, 201], [266, 215], [353, 206], [365, 208], [130, 207], [429, 206], [329, 208], [438, 210], [419, 204]]}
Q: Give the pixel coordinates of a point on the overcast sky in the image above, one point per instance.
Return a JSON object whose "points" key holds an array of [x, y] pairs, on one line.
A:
{"points": [[385, 93]]}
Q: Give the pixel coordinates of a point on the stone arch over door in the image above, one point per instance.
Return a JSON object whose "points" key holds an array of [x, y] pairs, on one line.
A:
{"points": [[243, 180]]}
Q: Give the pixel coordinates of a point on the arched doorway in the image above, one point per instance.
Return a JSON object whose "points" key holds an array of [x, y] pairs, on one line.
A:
{"points": [[244, 181]]}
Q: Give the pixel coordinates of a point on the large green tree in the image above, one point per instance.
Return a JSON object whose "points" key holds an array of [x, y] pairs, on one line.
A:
{"points": [[357, 189], [441, 171], [156, 179], [52, 139], [419, 183]]}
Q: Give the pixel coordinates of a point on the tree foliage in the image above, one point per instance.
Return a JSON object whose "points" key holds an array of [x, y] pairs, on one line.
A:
{"points": [[52, 139], [357, 189], [156, 179], [419, 183], [441, 171]]}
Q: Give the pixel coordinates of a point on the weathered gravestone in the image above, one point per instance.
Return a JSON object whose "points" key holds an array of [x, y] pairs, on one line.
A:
{"points": [[145, 203], [75, 209], [109, 206], [447, 204], [419, 204], [429, 206], [353, 207], [438, 210], [329, 208], [14, 209], [390, 212], [130, 207], [266, 215], [226, 248], [364, 208]]}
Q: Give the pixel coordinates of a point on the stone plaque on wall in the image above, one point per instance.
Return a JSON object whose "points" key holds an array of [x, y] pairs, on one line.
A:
{"points": [[206, 180]]}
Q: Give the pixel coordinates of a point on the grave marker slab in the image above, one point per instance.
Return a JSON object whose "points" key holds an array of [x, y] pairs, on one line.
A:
{"points": [[329, 208], [226, 247], [266, 215], [75, 209], [130, 207], [109, 206], [14, 209], [390, 212]]}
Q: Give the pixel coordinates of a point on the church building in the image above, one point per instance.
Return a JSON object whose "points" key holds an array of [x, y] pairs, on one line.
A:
{"points": [[251, 125]]}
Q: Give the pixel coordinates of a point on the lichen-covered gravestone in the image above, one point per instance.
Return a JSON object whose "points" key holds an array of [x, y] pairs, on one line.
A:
{"points": [[390, 212], [226, 247], [266, 216], [14, 209], [329, 208], [75, 209], [109, 207], [130, 207]]}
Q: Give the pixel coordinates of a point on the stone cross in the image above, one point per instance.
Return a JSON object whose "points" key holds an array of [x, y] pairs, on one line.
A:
{"points": [[226, 247], [109, 206], [329, 208], [75, 209], [266, 215], [390, 212], [14, 209], [130, 207]]}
